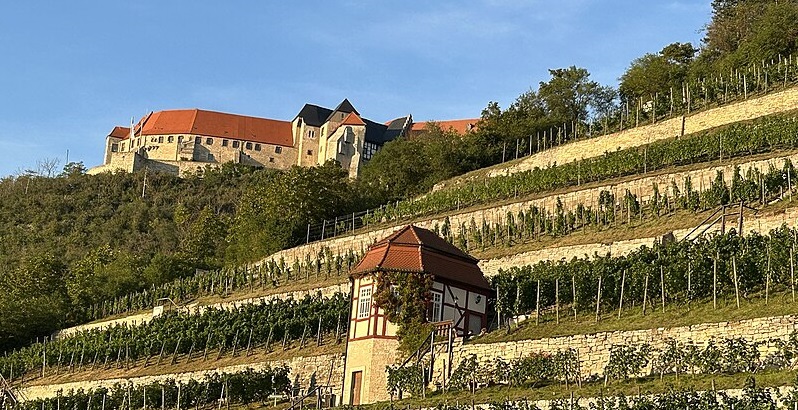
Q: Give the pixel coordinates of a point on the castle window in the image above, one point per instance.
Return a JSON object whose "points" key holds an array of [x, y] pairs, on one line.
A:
{"points": [[210, 157], [198, 140], [364, 303], [224, 143], [271, 159], [153, 139], [114, 147], [278, 149], [311, 134], [257, 147], [123, 146], [170, 139], [299, 122], [235, 144], [209, 141], [249, 145], [160, 139], [310, 152], [179, 138], [369, 149]]}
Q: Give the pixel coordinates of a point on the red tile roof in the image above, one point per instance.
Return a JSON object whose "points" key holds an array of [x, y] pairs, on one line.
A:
{"points": [[459, 126], [353, 119], [217, 124], [120, 132], [416, 249]]}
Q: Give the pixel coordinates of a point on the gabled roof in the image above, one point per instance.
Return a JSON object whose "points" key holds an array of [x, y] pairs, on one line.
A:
{"points": [[397, 128], [216, 124], [314, 115], [414, 249], [353, 119], [344, 106], [460, 126], [120, 132]]}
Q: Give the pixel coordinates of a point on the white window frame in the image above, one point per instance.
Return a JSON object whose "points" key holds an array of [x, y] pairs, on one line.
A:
{"points": [[437, 305], [364, 303]]}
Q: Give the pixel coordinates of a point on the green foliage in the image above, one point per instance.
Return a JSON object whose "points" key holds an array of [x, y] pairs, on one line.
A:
{"points": [[275, 215], [404, 379], [411, 166], [405, 296], [627, 361]]}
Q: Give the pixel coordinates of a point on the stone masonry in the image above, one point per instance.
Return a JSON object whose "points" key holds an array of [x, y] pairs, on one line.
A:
{"points": [[594, 349]]}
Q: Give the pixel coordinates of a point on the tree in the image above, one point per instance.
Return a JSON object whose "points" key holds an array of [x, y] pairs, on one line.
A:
{"points": [[654, 74], [568, 94], [275, 215]]}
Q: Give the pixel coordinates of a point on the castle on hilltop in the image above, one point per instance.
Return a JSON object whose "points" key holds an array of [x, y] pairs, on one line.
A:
{"points": [[180, 141]]}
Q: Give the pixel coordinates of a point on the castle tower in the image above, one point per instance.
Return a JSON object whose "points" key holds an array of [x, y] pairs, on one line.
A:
{"points": [[459, 295]]}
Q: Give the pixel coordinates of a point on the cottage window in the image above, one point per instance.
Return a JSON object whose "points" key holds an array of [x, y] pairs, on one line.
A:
{"points": [[249, 145], [278, 149], [437, 307], [209, 141], [364, 303], [224, 143], [235, 144], [257, 147]]}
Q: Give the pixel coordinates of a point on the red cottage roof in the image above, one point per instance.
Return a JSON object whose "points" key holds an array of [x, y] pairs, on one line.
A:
{"points": [[353, 119], [120, 132], [417, 249], [217, 124], [459, 126]]}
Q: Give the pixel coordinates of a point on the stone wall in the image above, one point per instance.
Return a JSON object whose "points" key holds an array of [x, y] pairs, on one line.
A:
{"points": [[328, 369], [594, 349], [742, 111]]}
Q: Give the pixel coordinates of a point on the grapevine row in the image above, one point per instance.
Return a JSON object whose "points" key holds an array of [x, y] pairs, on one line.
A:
{"points": [[674, 272], [245, 387], [764, 135], [210, 333]]}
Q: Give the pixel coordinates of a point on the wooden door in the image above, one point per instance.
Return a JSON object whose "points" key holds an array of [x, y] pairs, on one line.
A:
{"points": [[357, 381]]}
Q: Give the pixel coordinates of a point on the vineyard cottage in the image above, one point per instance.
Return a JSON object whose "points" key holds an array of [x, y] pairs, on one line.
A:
{"points": [[458, 296]]}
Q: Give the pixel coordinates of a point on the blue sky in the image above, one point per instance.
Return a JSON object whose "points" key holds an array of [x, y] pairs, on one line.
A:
{"points": [[70, 71]]}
